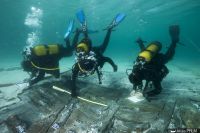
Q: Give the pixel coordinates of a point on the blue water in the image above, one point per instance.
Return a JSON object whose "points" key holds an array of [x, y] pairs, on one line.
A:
{"points": [[29, 22]]}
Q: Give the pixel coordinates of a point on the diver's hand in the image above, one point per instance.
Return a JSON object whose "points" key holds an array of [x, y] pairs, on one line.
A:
{"points": [[140, 41], [174, 32]]}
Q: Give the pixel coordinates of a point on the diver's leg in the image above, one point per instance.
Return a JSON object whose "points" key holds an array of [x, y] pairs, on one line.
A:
{"points": [[104, 45], [67, 43], [157, 90], [75, 71], [66, 51], [174, 34], [75, 39], [136, 80], [99, 75], [170, 53], [141, 44]]}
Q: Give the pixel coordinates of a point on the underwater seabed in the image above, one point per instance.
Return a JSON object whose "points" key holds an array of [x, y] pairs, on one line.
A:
{"points": [[41, 108]]}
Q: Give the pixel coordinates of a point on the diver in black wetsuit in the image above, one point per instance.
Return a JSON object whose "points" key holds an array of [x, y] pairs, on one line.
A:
{"points": [[150, 64], [43, 59], [90, 59]]}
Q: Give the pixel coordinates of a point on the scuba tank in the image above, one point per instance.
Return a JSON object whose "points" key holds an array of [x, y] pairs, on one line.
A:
{"points": [[150, 51], [43, 50]]}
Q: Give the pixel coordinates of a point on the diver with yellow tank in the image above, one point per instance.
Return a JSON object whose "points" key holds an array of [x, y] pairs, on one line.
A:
{"points": [[90, 59], [150, 64], [42, 58]]}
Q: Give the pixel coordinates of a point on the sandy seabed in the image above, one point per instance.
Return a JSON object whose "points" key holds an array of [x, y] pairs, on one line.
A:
{"points": [[180, 80]]}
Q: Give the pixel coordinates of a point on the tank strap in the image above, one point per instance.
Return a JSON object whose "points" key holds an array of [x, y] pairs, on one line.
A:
{"points": [[47, 49], [42, 68], [80, 68]]}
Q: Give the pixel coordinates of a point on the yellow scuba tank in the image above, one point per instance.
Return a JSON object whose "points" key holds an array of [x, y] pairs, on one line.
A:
{"points": [[150, 51], [53, 49], [42, 50]]}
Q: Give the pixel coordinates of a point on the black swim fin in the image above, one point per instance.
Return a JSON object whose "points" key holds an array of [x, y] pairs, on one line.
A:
{"points": [[174, 32]]}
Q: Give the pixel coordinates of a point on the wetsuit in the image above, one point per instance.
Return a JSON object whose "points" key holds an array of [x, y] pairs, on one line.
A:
{"points": [[100, 60], [154, 71], [49, 63], [99, 50]]}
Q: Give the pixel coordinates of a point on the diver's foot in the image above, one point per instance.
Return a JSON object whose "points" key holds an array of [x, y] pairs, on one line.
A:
{"points": [[153, 93], [115, 68]]}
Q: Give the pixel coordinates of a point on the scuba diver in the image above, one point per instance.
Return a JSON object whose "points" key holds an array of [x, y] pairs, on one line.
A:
{"points": [[42, 59], [91, 59], [150, 64]]}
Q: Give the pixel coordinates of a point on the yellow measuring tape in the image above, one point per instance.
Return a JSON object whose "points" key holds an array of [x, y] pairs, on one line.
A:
{"points": [[59, 89], [49, 69]]}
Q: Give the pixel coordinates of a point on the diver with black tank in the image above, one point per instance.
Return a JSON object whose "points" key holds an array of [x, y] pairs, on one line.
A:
{"points": [[42, 58], [90, 59], [150, 64]]}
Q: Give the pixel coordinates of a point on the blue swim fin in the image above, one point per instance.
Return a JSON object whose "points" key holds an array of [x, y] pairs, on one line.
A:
{"points": [[119, 18], [69, 29], [81, 18]]}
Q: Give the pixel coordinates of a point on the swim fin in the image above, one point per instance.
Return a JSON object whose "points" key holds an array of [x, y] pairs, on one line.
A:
{"points": [[119, 18], [174, 32], [81, 18], [69, 29]]}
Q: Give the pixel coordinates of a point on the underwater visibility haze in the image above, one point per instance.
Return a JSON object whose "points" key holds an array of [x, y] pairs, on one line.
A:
{"points": [[41, 22], [39, 108]]}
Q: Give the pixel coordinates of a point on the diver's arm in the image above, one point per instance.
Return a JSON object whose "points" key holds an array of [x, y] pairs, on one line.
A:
{"points": [[68, 50], [38, 78], [141, 44], [75, 71], [99, 75], [85, 34], [104, 45]]}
